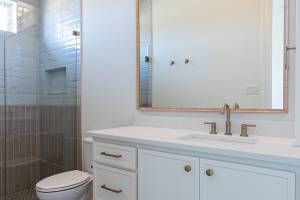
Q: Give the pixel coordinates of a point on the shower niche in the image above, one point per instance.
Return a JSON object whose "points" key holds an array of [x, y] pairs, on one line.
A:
{"points": [[56, 81]]}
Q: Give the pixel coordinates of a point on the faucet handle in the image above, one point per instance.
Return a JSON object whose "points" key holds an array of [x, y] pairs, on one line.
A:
{"points": [[236, 106], [213, 128], [224, 107], [244, 129]]}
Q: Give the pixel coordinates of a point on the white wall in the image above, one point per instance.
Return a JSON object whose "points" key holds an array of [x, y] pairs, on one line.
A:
{"points": [[108, 65]]}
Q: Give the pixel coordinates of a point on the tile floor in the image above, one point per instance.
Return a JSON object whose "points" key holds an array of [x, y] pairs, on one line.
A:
{"points": [[23, 195]]}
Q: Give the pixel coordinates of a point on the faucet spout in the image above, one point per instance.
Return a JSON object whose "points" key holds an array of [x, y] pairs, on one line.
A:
{"points": [[226, 109]]}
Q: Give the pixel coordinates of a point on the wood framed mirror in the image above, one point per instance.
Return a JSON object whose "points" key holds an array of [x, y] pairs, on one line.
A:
{"points": [[196, 55]]}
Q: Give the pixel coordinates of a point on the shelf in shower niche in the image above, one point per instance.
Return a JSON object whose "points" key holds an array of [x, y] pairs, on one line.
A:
{"points": [[56, 81], [20, 162]]}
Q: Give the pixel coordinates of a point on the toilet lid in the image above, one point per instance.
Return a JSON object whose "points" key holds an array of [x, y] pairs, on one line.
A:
{"points": [[63, 181]]}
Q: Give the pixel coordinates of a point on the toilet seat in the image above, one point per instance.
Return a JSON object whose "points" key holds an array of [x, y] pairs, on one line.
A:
{"points": [[63, 181]]}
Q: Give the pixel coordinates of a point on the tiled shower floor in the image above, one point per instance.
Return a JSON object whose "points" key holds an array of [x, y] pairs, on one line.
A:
{"points": [[23, 195]]}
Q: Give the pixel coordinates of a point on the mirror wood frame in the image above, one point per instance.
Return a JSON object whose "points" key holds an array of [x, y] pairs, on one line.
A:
{"points": [[242, 110]]}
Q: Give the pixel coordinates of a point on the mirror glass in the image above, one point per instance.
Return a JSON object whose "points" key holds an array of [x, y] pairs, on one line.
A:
{"points": [[200, 54]]}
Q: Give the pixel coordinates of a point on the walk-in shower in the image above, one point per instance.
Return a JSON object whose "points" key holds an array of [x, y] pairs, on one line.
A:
{"points": [[39, 92]]}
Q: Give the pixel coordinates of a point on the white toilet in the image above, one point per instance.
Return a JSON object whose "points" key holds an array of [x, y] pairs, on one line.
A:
{"points": [[72, 185]]}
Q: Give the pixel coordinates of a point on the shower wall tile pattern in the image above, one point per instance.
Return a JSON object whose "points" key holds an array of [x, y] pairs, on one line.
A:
{"points": [[21, 58], [2, 151], [59, 48], [22, 147], [59, 52], [2, 115]]}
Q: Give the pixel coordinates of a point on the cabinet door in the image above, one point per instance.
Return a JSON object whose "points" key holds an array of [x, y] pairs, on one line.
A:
{"points": [[164, 176], [228, 181]]}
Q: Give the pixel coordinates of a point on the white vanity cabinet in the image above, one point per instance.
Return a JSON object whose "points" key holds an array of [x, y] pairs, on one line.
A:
{"points": [[229, 181], [163, 176], [133, 173]]}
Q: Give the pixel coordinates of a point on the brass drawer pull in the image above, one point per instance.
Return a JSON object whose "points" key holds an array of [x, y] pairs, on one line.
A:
{"points": [[187, 168], [110, 189], [209, 172], [111, 155]]}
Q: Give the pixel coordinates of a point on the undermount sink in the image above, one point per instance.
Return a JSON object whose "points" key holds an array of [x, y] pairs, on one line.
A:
{"points": [[219, 138]]}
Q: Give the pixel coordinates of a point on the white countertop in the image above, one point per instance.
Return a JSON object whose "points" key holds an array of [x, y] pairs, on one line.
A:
{"points": [[278, 150]]}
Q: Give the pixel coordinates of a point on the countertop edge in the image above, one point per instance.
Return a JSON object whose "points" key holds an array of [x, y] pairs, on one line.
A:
{"points": [[198, 148]]}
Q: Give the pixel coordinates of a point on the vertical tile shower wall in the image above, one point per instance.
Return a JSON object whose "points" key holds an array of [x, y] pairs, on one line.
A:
{"points": [[2, 115], [58, 91], [39, 99], [146, 50]]}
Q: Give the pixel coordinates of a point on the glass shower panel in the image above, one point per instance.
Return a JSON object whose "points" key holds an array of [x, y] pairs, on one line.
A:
{"points": [[2, 111], [22, 111], [39, 98]]}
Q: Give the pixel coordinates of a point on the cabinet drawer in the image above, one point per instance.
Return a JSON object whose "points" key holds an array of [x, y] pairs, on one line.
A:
{"points": [[114, 184], [115, 155]]}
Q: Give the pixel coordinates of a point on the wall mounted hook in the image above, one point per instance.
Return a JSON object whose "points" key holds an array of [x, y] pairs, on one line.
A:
{"points": [[172, 63]]}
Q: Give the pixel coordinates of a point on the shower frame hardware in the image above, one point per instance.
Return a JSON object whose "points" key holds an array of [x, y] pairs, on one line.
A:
{"points": [[291, 48], [76, 33]]}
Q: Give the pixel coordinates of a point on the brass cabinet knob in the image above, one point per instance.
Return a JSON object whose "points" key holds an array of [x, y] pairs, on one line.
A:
{"points": [[209, 172], [187, 168]]}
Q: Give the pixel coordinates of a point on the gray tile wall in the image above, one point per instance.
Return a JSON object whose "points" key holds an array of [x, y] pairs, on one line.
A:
{"points": [[2, 125], [145, 50], [21, 58], [59, 48], [59, 51], [22, 147], [58, 139], [2, 152]]}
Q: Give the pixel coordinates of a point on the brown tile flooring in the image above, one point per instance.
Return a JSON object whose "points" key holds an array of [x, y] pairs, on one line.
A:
{"points": [[31, 195], [23, 195]]}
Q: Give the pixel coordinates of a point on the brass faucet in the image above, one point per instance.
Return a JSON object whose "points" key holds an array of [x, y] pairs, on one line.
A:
{"points": [[226, 109]]}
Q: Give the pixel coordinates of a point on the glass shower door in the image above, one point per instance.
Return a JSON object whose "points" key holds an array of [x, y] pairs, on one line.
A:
{"points": [[39, 99], [21, 112], [2, 111]]}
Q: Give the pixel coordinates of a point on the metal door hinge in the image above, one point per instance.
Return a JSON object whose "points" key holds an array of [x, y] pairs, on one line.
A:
{"points": [[76, 33], [291, 48]]}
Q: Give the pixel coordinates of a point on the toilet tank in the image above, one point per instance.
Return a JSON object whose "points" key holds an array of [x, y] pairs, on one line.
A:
{"points": [[88, 154]]}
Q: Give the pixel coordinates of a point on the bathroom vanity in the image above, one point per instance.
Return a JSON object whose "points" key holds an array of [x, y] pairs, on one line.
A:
{"points": [[145, 163]]}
